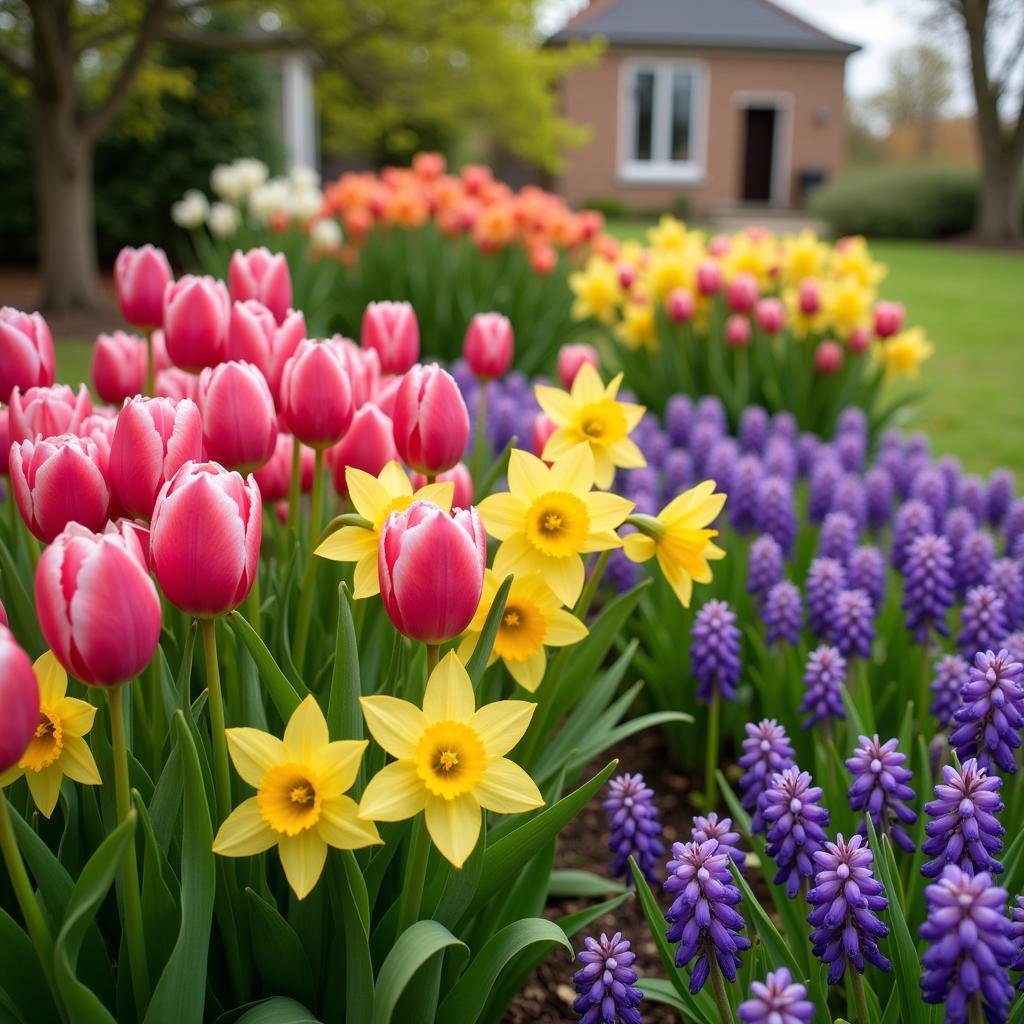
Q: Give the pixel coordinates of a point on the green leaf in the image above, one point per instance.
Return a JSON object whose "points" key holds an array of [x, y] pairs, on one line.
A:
{"points": [[159, 908], [414, 948], [572, 884], [277, 1011], [660, 991], [21, 975], [573, 923], [477, 664], [344, 719], [285, 695], [178, 999], [281, 961], [468, 997], [94, 882], [775, 945]]}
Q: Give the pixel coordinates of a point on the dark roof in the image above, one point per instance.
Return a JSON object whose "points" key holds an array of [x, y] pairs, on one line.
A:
{"points": [[744, 24]]}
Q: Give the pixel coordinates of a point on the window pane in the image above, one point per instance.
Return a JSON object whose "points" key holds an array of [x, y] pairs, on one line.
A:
{"points": [[643, 114], [682, 98]]}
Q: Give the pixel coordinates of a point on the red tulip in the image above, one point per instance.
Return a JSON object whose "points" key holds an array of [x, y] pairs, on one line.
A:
{"points": [[431, 420], [19, 697], [460, 476], [489, 345], [176, 384], [385, 393], [3, 615], [59, 481], [543, 428], [369, 445], [239, 421], [809, 296], [196, 315], [98, 608], [741, 293], [770, 315], [153, 438], [48, 411], [141, 276], [362, 366], [737, 331], [709, 277], [392, 331], [254, 336], [275, 475], [431, 569], [680, 305], [828, 357], [264, 276], [571, 359], [316, 396], [26, 352], [888, 318], [5, 442], [119, 365], [204, 541]]}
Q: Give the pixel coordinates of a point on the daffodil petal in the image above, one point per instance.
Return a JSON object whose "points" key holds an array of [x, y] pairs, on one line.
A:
{"points": [[12, 774], [394, 479], [45, 788], [349, 544], [565, 577], [602, 540], [340, 826], [606, 511], [51, 677], [337, 765], [77, 763], [302, 858], [527, 475], [507, 789], [604, 469], [254, 752], [561, 442], [244, 833], [367, 577], [76, 716], [529, 673], [638, 547], [587, 387], [626, 454], [395, 724], [467, 646], [502, 515], [449, 695], [574, 471], [306, 731], [558, 406], [454, 826], [501, 725], [395, 793], [439, 493], [564, 629], [368, 495]]}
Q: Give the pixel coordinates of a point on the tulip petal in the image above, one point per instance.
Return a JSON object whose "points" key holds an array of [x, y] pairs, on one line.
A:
{"points": [[306, 732], [395, 793], [340, 826], [254, 753], [245, 832], [454, 826], [501, 725], [505, 788], [337, 765], [395, 724], [303, 857], [45, 788], [449, 695], [77, 763]]}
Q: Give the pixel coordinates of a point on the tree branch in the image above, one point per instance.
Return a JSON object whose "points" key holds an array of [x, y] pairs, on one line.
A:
{"points": [[16, 61], [263, 42]]}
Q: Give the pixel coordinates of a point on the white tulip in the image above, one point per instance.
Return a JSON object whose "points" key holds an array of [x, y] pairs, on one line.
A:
{"points": [[191, 210], [223, 220]]}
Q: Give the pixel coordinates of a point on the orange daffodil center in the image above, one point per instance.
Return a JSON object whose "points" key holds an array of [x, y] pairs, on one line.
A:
{"points": [[375, 498], [450, 760], [58, 747]]}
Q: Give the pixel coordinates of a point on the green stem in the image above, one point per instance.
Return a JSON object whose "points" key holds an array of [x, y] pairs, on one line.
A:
{"points": [[922, 685], [415, 876], [975, 1012], [22, 885], [252, 603], [295, 488], [587, 597], [480, 433], [857, 984], [218, 727], [150, 365], [718, 984], [308, 577], [134, 933], [433, 651], [711, 762]]}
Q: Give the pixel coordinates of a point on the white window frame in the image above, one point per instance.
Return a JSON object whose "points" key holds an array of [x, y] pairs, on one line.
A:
{"points": [[661, 169]]}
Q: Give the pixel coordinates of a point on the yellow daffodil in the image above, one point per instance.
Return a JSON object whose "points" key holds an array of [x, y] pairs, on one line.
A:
{"points": [[550, 517], [638, 327], [597, 291], [851, 258], [450, 760], [299, 805], [590, 414], [847, 305], [669, 235], [903, 353], [668, 271], [803, 255], [375, 498], [533, 619], [58, 747], [680, 538], [800, 323], [754, 253]]}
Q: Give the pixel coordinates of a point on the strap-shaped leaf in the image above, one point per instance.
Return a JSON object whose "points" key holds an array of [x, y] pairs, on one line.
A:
{"points": [[21, 977], [477, 664], [285, 695], [344, 719], [280, 958], [276, 1011]]}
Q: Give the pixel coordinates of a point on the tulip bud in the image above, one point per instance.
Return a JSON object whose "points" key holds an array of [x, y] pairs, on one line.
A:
{"points": [[741, 293], [19, 697], [153, 438], [543, 428], [431, 569], [264, 276], [316, 396], [140, 277], [176, 384], [274, 477], [26, 352], [119, 366], [709, 277], [571, 359], [431, 420], [239, 421], [98, 609], [489, 345], [627, 275], [369, 445], [459, 476], [362, 366], [61, 480], [719, 245], [392, 331], [196, 315], [5, 442], [828, 357], [204, 541], [680, 305], [48, 411], [859, 341], [809, 296], [543, 258], [254, 336], [737, 331], [770, 315], [888, 318]]}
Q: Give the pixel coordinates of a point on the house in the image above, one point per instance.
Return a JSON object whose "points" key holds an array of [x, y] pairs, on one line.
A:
{"points": [[725, 102]]}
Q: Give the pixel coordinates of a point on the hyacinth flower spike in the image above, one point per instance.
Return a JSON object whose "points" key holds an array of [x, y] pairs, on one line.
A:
{"points": [[635, 828], [606, 983]]}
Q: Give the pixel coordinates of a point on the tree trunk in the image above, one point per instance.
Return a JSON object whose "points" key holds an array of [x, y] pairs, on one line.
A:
{"points": [[999, 209]]}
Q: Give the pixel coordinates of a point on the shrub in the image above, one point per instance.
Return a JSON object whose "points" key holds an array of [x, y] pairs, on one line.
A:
{"points": [[609, 206]]}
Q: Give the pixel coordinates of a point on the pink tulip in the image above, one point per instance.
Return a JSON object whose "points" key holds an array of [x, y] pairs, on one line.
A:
{"points": [[239, 421], [140, 531], [719, 244], [431, 570], [119, 365], [161, 359], [3, 615], [737, 331], [809, 296], [26, 352], [571, 359], [460, 476], [275, 475], [316, 396], [392, 331], [254, 336], [888, 318], [264, 276], [431, 420], [369, 445], [100, 426], [48, 411], [19, 697], [196, 315], [770, 315], [141, 276], [680, 305], [489, 345], [204, 542], [709, 277], [59, 481], [741, 293], [627, 275], [153, 438], [543, 428], [385, 393], [859, 341], [5, 442], [176, 384], [98, 609], [362, 366], [828, 357]]}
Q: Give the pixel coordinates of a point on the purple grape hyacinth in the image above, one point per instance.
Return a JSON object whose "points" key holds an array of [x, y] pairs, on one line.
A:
{"points": [[606, 984], [1017, 934], [713, 827], [846, 899], [880, 787], [957, 526], [878, 490], [776, 513], [764, 565], [823, 678], [950, 676], [964, 829], [796, 824], [766, 752], [825, 578], [743, 498], [635, 826], [911, 520], [1006, 576], [753, 428], [982, 622], [971, 496], [823, 480], [783, 613], [702, 917], [838, 537], [990, 717], [850, 499], [974, 560], [866, 571], [930, 487], [777, 1000], [715, 650], [999, 496], [971, 949], [928, 585], [853, 625]]}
